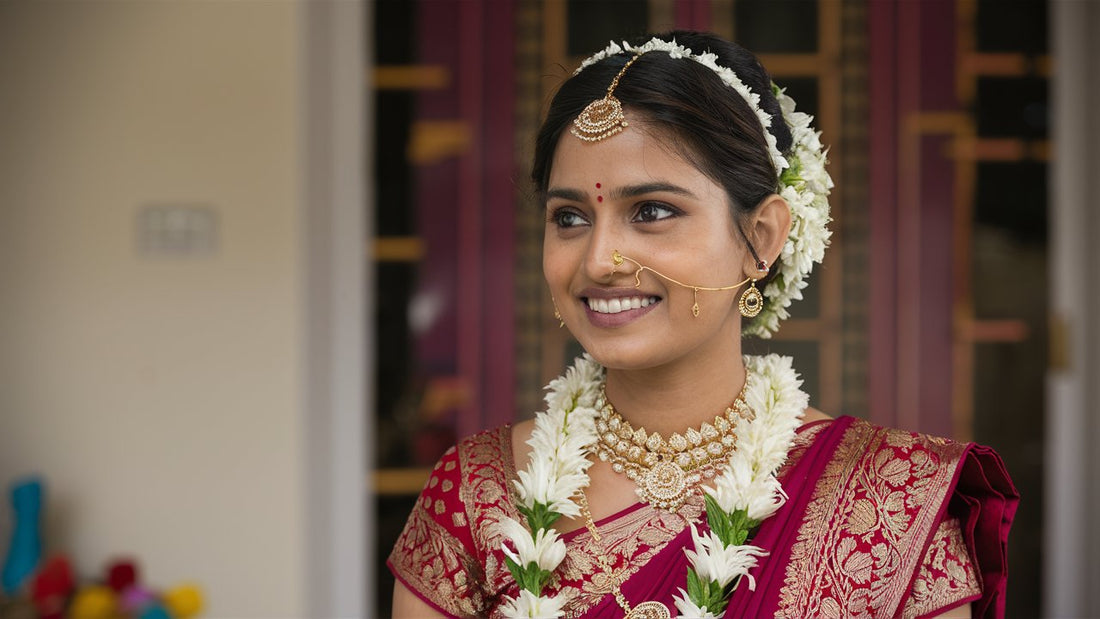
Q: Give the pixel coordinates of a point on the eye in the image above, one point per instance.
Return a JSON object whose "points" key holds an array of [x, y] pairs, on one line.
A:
{"points": [[567, 218], [654, 211]]}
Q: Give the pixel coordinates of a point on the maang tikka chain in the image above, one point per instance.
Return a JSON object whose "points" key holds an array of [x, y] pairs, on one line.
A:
{"points": [[617, 260], [602, 118]]}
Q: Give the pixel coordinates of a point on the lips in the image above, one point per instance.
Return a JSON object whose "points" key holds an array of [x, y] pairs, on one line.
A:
{"points": [[615, 307]]}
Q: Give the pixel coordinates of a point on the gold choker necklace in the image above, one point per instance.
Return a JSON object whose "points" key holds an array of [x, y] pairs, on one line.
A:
{"points": [[668, 472]]}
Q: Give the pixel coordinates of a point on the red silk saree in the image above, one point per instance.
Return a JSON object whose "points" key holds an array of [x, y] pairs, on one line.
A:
{"points": [[880, 523]]}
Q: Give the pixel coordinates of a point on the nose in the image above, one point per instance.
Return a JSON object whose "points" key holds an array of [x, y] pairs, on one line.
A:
{"points": [[600, 262]]}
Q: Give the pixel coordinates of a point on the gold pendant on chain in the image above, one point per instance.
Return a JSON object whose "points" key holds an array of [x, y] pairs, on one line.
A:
{"points": [[649, 610]]}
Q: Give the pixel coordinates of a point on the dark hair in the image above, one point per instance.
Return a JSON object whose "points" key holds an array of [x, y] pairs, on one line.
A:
{"points": [[710, 124]]}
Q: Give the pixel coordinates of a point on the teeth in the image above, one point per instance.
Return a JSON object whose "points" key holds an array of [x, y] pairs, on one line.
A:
{"points": [[614, 306]]}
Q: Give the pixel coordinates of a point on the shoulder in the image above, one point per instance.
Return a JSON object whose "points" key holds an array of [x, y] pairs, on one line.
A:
{"points": [[441, 554], [811, 415], [872, 444]]}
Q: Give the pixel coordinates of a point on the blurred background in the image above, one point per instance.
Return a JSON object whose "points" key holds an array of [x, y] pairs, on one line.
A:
{"points": [[262, 262]]}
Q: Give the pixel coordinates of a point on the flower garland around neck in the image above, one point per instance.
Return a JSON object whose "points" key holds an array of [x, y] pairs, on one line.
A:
{"points": [[745, 493], [802, 179]]}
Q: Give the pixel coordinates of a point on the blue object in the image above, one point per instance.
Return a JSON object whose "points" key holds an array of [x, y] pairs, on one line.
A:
{"points": [[155, 611], [26, 541]]}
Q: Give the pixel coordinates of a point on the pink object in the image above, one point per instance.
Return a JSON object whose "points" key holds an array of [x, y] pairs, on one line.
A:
{"points": [[136, 598]]}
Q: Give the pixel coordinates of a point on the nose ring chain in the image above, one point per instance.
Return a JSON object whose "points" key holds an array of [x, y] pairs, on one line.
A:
{"points": [[617, 260]]}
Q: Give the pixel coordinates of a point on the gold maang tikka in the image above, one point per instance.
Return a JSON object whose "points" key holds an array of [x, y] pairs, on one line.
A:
{"points": [[602, 118], [617, 260]]}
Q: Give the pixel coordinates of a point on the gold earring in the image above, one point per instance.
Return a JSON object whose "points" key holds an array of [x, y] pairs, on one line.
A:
{"points": [[751, 301], [557, 314]]}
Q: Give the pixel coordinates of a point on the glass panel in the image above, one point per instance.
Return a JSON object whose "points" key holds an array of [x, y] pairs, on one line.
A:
{"points": [[593, 23], [1012, 197], [393, 213], [1016, 26], [390, 514], [396, 414], [394, 33], [1011, 106], [770, 26], [810, 304], [804, 91], [806, 360]]}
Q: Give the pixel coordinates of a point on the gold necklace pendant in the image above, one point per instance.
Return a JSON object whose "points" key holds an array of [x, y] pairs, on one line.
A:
{"points": [[665, 486], [649, 610]]}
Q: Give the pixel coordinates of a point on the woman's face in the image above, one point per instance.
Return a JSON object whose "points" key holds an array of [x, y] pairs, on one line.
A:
{"points": [[629, 193]]}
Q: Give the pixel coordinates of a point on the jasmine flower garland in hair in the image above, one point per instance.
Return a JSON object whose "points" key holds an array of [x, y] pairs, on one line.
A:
{"points": [[805, 184], [745, 493], [801, 178]]}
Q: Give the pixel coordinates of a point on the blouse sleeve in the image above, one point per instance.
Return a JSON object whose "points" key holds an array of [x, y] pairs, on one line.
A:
{"points": [[435, 555], [946, 577]]}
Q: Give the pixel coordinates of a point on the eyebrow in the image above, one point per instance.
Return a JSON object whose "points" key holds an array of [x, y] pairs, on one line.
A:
{"points": [[573, 195], [629, 191]]}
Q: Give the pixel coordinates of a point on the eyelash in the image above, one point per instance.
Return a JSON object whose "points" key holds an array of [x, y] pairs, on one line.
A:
{"points": [[672, 211], [558, 215]]}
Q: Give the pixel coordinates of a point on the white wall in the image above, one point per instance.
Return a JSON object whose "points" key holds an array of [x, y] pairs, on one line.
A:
{"points": [[163, 400], [1071, 563]]}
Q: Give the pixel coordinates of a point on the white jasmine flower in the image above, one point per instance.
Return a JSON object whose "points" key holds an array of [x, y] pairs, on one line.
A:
{"points": [[546, 549], [715, 562], [538, 483], [739, 487], [530, 605], [688, 609]]}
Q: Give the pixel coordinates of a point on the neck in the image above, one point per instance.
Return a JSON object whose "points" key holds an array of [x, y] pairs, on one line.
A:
{"points": [[678, 396]]}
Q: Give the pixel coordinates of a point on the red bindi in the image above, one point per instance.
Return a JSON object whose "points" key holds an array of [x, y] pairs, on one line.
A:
{"points": [[599, 198], [598, 185]]}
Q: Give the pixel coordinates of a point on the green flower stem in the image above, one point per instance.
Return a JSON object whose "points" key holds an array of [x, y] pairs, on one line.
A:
{"points": [[539, 516]]}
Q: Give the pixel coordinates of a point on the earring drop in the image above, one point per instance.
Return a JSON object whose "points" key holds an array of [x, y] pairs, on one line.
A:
{"points": [[557, 314], [751, 301]]}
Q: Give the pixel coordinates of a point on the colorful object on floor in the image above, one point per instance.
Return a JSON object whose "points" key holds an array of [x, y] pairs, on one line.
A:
{"points": [[95, 602], [121, 575], [31, 588], [51, 588], [156, 611], [26, 542], [134, 600], [184, 601]]}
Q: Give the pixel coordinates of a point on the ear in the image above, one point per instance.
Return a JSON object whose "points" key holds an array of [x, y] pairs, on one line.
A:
{"points": [[767, 230]]}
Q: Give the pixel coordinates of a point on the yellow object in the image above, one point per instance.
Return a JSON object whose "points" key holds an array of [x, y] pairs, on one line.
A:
{"points": [[94, 603], [183, 601]]}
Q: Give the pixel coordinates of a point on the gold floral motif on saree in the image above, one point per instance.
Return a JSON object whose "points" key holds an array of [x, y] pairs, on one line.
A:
{"points": [[863, 531], [431, 559], [946, 575]]}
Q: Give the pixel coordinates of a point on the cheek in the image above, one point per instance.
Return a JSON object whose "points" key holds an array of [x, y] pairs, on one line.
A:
{"points": [[556, 267]]}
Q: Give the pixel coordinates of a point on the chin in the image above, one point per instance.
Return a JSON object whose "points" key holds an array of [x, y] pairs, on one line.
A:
{"points": [[627, 356]]}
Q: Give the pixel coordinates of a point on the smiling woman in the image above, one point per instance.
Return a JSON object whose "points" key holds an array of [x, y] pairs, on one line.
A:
{"points": [[686, 203]]}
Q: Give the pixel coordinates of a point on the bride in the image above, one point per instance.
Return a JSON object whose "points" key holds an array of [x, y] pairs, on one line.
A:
{"points": [[686, 203]]}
